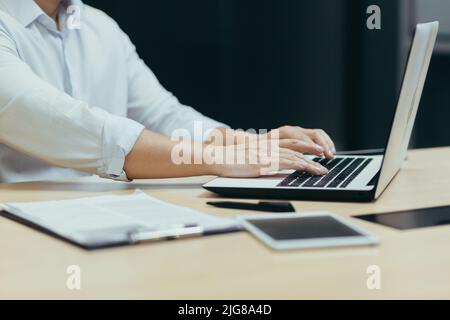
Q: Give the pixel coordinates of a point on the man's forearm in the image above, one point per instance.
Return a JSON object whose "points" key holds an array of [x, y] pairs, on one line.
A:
{"points": [[151, 157]]}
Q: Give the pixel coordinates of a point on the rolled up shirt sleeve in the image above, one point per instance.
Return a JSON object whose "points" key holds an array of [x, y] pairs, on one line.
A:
{"points": [[159, 110], [41, 121]]}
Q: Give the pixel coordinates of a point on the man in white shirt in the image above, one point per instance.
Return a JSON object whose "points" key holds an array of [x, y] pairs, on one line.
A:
{"points": [[76, 99]]}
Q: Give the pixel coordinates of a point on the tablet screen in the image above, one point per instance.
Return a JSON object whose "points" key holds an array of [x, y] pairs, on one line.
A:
{"points": [[304, 228], [412, 219]]}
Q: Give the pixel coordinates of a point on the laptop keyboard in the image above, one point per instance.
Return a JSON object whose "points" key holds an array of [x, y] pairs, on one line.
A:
{"points": [[342, 171]]}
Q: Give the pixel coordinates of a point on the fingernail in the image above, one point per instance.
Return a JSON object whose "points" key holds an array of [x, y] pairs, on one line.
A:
{"points": [[323, 170], [319, 167], [319, 148]]}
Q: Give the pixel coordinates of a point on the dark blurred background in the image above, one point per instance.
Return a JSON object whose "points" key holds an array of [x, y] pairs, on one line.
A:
{"points": [[265, 63]]}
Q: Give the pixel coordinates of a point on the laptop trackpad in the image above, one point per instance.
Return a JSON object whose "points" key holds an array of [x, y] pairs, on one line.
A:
{"points": [[412, 219]]}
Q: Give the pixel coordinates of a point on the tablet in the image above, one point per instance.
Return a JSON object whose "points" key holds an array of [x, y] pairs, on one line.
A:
{"points": [[306, 230]]}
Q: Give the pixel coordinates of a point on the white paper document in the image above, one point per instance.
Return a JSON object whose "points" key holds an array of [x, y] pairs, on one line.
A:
{"points": [[108, 220]]}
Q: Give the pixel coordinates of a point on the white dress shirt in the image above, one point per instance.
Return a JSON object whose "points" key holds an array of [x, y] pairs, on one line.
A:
{"points": [[73, 102]]}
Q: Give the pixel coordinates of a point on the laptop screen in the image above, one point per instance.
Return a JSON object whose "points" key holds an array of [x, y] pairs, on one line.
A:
{"points": [[408, 102]]}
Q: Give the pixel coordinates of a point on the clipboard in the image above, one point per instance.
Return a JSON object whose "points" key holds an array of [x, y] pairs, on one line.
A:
{"points": [[181, 222]]}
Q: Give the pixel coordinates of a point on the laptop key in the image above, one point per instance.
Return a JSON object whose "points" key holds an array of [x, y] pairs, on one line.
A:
{"points": [[311, 182], [345, 174], [355, 173], [329, 164], [289, 179], [298, 178], [330, 176]]}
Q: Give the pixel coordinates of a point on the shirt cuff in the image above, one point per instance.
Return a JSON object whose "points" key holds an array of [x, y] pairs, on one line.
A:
{"points": [[119, 137]]}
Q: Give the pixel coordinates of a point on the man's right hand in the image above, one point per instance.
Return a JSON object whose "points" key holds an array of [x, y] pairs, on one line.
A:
{"points": [[248, 161]]}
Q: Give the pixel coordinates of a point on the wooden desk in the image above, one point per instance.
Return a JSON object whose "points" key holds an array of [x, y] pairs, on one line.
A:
{"points": [[414, 264]]}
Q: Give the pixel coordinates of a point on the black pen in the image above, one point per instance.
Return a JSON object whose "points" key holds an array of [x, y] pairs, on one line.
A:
{"points": [[260, 206]]}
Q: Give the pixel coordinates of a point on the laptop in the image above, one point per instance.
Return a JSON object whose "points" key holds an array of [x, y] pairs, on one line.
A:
{"points": [[356, 178]]}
